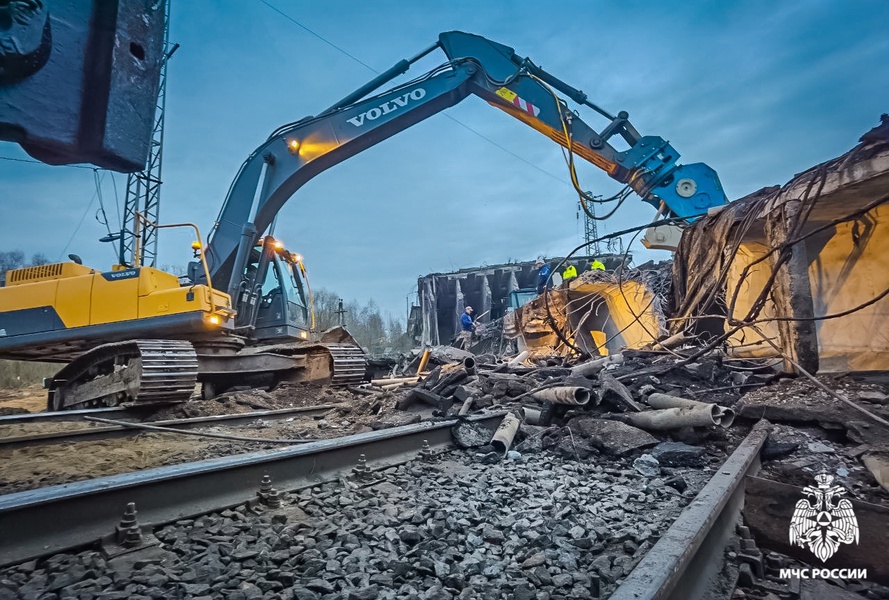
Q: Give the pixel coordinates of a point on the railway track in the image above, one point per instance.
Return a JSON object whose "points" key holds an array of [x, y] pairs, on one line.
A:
{"points": [[681, 565], [49, 520], [111, 431]]}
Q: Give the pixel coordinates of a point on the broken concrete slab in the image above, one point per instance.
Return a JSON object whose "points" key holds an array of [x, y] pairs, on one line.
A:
{"points": [[612, 437], [615, 392], [877, 462], [874, 396], [677, 454], [468, 434], [647, 465]]}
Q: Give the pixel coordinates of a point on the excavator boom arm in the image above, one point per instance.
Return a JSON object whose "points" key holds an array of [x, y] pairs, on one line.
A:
{"points": [[477, 66]]}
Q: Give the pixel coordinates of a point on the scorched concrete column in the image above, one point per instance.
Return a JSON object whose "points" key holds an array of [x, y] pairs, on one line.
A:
{"points": [[792, 292]]}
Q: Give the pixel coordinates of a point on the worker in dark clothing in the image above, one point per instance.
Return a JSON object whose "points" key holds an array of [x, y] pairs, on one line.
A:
{"points": [[542, 275], [464, 341]]}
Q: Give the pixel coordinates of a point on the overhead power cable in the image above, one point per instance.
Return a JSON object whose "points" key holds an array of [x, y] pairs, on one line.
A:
{"points": [[82, 218], [37, 162]]}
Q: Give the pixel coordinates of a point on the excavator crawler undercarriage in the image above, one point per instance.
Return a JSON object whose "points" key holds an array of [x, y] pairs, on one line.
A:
{"points": [[163, 371]]}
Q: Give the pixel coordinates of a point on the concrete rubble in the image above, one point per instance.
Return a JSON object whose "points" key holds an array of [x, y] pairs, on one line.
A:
{"points": [[663, 367]]}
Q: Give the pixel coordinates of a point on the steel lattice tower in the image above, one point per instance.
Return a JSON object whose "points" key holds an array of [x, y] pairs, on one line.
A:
{"points": [[590, 229], [144, 188]]}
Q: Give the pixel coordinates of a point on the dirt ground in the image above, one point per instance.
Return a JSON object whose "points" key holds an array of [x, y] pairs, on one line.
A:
{"points": [[58, 463], [30, 399]]}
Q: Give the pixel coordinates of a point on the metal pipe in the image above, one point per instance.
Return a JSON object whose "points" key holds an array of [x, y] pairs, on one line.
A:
{"points": [[398, 380], [593, 367], [505, 433], [571, 395], [469, 365], [519, 358], [424, 360], [725, 416], [675, 418], [467, 406], [657, 400], [531, 416]]}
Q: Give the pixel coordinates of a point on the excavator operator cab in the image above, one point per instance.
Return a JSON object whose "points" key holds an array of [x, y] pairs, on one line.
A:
{"points": [[281, 301]]}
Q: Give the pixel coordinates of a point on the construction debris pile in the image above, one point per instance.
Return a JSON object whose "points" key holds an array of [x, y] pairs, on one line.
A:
{"points": [[609, 404], [659, 407]]}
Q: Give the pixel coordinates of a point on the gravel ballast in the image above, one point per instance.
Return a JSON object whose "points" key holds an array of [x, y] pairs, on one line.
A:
{"points": [[531, 526]]}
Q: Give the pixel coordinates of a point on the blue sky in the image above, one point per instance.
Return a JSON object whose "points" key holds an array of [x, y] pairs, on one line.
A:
{"points": [[758, 90]]}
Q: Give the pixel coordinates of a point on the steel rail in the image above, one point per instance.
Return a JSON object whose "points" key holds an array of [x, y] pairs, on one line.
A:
{"points": [[75, 415], [49, 520], [687, 559], [111, 431]]}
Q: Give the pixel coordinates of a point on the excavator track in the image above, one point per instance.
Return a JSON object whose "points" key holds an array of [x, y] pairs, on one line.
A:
{"points": [[349, 364], [140, 371]]}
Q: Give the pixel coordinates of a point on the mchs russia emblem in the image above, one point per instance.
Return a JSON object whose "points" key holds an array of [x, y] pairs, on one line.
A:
{"points": [[823, 519]]}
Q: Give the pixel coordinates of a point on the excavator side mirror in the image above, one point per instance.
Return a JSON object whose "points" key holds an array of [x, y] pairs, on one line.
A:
{"points": [[75, 259]]}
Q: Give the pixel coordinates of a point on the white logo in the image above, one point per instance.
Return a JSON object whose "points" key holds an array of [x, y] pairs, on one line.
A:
{"points": [[386, 107], [822, 520]]}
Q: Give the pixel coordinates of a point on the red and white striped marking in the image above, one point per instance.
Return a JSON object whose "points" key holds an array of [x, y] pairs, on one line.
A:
{"points": [[526, 106], [513, 98]]}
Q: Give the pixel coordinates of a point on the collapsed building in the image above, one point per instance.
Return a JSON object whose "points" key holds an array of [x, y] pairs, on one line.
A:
{"points": [[491, 290], [599, 313], [803, 270], [798, 272]]}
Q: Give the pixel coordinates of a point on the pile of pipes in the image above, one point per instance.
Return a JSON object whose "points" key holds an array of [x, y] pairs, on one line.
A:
{"points": [[653, 391]]}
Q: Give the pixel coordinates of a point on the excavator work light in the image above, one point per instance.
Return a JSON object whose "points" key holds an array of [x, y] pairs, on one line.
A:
{"points": [[212, 319], [293, 146]]}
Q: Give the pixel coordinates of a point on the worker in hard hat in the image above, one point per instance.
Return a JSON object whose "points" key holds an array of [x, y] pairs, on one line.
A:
{"points": [[467, 325], [569, 273], [596, 265], [542, 275]]}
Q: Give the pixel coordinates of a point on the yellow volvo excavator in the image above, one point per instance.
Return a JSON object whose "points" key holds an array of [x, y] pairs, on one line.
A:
{"points": [[136, 334]]}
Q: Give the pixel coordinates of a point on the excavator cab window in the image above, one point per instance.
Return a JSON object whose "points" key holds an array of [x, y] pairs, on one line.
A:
{"points": [[271, 287], [282, 308], [295, 288]]}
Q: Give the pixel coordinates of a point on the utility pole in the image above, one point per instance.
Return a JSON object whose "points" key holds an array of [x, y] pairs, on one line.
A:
{"points": [[144, 187], [341, 313]]}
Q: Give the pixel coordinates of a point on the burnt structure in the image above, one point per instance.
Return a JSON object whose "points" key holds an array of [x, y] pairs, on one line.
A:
{"points": [[435, 319]]}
